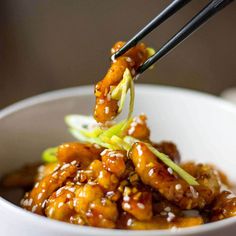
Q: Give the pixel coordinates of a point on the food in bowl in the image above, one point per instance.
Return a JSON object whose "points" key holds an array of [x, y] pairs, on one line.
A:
{"points": [[116, 177]]}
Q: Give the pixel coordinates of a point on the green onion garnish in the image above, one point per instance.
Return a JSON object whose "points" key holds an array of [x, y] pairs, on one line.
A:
{"points": [[50, 155]]}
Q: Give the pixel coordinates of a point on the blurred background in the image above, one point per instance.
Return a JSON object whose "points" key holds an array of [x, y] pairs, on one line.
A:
{"points": [[53, 44]]}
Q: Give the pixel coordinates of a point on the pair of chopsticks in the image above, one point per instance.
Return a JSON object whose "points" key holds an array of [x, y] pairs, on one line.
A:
{"points": [[207, 12]]}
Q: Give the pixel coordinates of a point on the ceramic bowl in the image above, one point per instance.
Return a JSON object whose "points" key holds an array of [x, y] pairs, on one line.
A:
{"points": [[202, 126]]}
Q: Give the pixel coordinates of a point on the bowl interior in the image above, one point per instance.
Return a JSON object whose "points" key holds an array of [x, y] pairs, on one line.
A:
{"points": [[202, 126]]}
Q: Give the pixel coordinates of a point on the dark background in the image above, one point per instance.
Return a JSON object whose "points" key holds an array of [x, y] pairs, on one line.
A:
{"points": [[52, 44]]}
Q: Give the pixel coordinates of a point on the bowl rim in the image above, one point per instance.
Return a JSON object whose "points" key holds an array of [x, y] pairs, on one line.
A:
{"points": [[87, 91]]}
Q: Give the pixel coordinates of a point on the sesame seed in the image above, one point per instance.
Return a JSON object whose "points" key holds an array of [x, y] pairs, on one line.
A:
{"points": [[194, 192], [167, 209], [63, 173], [65, 166], [103, 152], [73, 162], [72, 189], [34, 208], [74, 202], [40, 195], [128, 59], [54, 174], [60, 204], [140, 152], [129, 222], [36, 185], [170, 171], [30, 201], [126, 198], [106, 110], [100, 101], [151, 172], [170, 217], [44, 203], [110, 193], [131, 130], [25, 202], [178, 186], [127, 206], [58, 192], [140, 205]]}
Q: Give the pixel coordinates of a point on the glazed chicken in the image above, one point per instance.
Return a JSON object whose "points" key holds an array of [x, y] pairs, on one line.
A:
{"points": [[95, 186], [115, 176], [106, 108]]}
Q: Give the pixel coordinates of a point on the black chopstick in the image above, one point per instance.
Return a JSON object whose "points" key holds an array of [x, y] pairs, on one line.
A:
{"points": [[208, 11], [164, 15]]}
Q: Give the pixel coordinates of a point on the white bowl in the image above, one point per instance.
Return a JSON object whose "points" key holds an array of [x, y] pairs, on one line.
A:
{"points": [[203, 127]]}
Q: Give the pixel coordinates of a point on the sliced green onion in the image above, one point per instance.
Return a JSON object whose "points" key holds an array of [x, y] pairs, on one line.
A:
{"points": [[120, 91], [114, 129], [130, 140], [120, 142], [50, 155], [80, 136], [85, 124], [150, 51], [132, 96], [124, 88], [123, 85], [125, 127]]}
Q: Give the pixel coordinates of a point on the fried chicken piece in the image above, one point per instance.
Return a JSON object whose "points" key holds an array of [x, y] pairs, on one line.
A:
{"points": [[114, 162], [35, 200], [155, 174], [106, 108]]}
